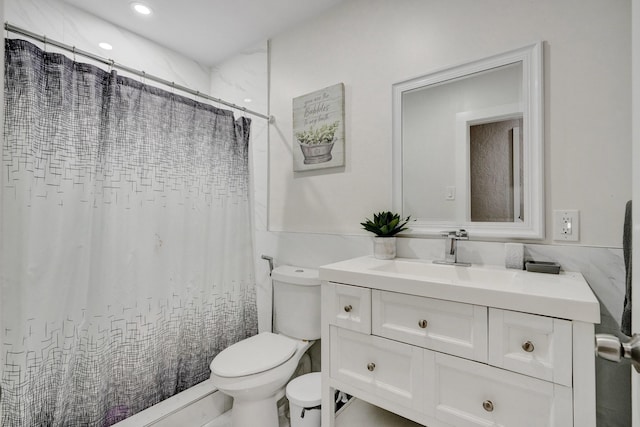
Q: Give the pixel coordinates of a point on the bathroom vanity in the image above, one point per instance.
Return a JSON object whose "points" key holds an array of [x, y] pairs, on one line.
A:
{"points": [[459, 346]]}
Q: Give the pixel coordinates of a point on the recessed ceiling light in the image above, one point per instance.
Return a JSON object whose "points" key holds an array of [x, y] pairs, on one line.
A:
{"points": [[105, 45], [141, 8], [247, 100]]}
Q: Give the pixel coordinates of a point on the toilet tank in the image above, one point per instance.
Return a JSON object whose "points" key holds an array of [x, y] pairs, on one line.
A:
{"points": [[296, 296]]}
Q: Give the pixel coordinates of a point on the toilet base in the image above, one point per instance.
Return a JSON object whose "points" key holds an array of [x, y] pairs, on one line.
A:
{"points": [[255, 396], [251, 413]]}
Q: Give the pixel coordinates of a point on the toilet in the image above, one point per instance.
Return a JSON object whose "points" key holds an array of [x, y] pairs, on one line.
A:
{"points": [[256, 370]]}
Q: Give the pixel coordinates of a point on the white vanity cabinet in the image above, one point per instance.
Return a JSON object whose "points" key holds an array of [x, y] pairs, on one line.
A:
{"points": [[391, 372], [475, 394], [349, 307], [446, 326], [440, 357], [533, 345]]}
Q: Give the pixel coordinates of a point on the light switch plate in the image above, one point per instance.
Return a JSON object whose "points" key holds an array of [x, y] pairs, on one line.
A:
{"points": [[566, 225], [450, 193]]}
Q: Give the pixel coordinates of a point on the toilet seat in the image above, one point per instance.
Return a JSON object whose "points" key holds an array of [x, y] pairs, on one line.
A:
{"points": [[253, 355]]}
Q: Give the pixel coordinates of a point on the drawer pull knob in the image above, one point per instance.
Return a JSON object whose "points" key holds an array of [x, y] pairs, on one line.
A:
{"points": [[371, 366], [487, 405], [422, 323], [528, 346], [348, 308]]}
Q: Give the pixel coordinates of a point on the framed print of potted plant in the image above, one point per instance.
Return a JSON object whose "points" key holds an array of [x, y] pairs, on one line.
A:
{"points": [[385, 226], [318, 129]]}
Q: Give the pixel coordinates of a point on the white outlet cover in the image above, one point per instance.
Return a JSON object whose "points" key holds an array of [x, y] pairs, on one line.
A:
{"points": [[566, 225]]}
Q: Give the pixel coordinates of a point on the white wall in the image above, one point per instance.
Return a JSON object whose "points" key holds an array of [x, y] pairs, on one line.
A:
{"points": [[67, 24], [311, 218], [370, 44]]}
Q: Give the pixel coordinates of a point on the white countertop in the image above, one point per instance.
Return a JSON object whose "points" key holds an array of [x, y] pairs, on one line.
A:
{"points": [[566, 295]]}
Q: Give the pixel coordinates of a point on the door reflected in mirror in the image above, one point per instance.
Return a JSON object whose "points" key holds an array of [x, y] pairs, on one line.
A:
{"points": [[468, 147], [495, 171]]}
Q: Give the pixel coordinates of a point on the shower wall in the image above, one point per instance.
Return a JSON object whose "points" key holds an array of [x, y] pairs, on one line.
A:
{"points": [[62, 22], [244, 80]]}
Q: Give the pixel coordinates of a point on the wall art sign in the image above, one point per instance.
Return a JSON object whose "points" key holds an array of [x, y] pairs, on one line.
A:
{"points": [[318, 129]]}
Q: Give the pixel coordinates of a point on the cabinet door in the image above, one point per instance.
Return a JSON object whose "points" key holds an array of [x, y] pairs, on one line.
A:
{"points": [[451, 327], [384, 368], [530, 344], [470, 394], [349, 307]]}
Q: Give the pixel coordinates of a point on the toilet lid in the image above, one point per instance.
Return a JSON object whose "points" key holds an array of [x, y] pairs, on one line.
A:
{"points": [[253, 355]]}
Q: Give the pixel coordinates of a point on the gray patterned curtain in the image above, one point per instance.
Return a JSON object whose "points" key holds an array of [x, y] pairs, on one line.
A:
{"points": [[125, 241]]}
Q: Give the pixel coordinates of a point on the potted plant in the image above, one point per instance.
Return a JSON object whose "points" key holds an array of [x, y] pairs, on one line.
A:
{"points": [[385, 226], [316, 144]]}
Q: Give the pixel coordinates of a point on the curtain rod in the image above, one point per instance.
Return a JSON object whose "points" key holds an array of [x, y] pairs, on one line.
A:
{"points": [[112, 63]]}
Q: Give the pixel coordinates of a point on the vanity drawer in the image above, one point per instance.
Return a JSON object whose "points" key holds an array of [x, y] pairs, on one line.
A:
{"points": [[534, 345], [384, 368], [451, 327], [349, 307], [468, 394]]}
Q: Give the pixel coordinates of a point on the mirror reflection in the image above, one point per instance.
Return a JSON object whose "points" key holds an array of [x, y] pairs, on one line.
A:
{"points": [[495, 171], [433, 161], [468, 146]]}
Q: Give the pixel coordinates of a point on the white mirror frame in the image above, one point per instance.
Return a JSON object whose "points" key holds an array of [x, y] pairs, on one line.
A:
{"points": [[533, 148]]}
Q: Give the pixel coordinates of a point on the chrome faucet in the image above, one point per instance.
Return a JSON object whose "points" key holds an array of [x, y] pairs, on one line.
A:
{"points": [[451, 247]]}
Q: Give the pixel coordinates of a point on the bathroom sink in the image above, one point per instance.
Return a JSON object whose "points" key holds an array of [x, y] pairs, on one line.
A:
{"points": [[418, 268], [555, 295], [481, 276]]}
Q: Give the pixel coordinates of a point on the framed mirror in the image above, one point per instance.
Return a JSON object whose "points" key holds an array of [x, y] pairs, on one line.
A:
{"points": [[468, 147]]}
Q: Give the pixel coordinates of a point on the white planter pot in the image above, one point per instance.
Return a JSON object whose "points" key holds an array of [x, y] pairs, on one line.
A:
{"points": [[384, 247]]}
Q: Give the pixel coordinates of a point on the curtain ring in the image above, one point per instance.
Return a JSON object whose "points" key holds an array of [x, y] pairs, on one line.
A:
{"points": [[74, 53], [44, 42], [111, 65], [143, 78]]}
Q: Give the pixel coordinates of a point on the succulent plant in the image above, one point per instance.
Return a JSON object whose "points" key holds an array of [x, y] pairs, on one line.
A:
{"points": [[385, 224], [322, 135]]}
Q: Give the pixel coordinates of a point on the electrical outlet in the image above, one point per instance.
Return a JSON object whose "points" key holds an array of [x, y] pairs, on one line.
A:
{"points": [[566, 225]]}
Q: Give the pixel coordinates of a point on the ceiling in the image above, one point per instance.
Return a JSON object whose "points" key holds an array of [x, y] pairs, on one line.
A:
{"points": [[208, 31]]}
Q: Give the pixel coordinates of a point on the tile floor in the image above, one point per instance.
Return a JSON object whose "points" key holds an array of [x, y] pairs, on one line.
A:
{"points": [[358, 414], [224, 420]]}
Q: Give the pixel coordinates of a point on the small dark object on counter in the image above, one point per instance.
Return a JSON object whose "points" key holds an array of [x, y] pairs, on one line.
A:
{"points": [[542, 267]]}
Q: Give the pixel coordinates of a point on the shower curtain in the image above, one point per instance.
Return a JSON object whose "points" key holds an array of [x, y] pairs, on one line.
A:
{"points": [[125, 241]]}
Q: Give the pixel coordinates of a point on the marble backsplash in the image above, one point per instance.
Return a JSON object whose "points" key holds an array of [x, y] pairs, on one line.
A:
{"points": [[603, 268]]}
